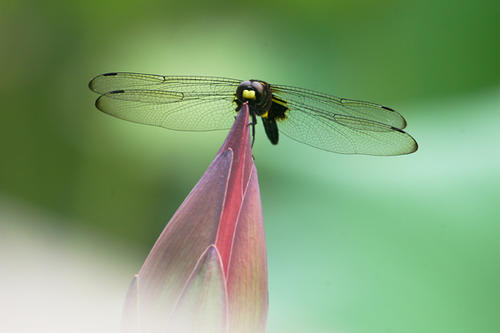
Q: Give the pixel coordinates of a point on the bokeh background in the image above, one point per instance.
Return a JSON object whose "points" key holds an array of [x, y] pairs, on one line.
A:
{"points": [[355, 243]]}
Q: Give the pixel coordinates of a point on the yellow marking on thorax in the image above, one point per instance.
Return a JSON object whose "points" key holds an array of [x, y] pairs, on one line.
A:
{"points": [[248, 94], [264, 115], [279, 101]]}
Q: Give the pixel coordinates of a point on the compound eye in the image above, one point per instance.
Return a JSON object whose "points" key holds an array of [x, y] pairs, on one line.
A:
{"points": [[245, 91], [258, 87]]}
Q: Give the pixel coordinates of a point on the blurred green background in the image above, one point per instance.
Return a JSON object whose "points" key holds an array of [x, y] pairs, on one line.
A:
{"points": [[355, 243]]}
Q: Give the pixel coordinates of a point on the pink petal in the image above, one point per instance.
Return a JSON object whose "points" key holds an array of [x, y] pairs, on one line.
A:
{"points": [[247, 273], [192, 229], [202, 306], [211, 256], [238, 141]]}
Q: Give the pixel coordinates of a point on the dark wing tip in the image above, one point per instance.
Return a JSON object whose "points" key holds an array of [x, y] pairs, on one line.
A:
{"points": [[397, 129], [92, 83], [403, 125], [100, 100], [415, 144]]}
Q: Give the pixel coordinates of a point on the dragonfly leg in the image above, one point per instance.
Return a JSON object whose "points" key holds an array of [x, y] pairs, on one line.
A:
{"points": [[253, 123]]}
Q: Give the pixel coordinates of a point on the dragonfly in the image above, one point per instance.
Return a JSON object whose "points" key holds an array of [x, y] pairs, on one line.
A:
{"points": [[205, 103]]}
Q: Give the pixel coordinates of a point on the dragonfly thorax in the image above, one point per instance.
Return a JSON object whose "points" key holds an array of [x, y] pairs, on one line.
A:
{"points": [[257, 94]]}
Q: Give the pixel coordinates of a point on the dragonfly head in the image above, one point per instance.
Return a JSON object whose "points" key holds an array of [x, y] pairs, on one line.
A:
{"points": [[256, 93]]}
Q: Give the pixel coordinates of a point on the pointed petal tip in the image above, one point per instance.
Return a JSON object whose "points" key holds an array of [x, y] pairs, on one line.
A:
{"points": [[239, 135], [202, 307]]}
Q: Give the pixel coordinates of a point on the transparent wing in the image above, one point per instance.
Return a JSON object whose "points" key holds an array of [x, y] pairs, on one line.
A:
{"points": [[185, 103], [341, 106], [344, 133], [105, 83]]}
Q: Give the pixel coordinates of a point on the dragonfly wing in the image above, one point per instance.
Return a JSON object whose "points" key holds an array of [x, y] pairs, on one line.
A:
{"points": [[185, 103], [105, 83], [344, 134], [172, 110], [338, 105]]}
